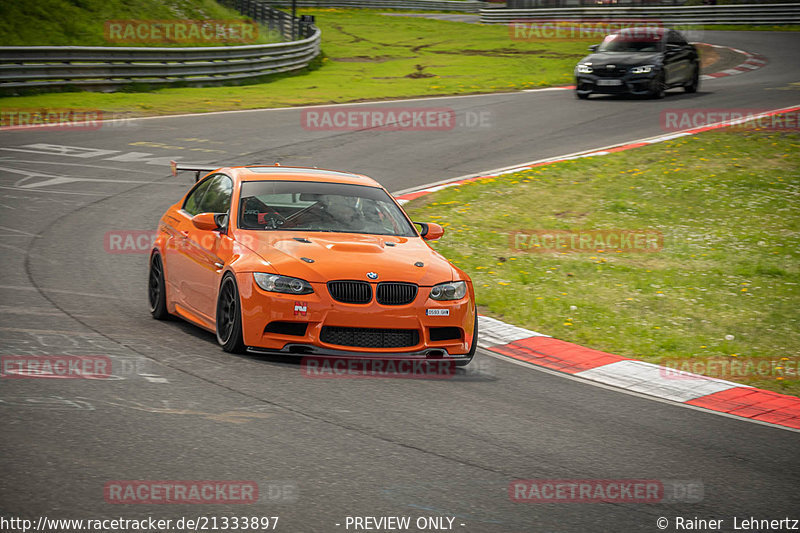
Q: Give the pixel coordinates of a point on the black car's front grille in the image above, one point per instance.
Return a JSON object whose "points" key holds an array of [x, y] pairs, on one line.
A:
{"points": [[370, 337], [395, 293], [350, 292], [603, 72]]}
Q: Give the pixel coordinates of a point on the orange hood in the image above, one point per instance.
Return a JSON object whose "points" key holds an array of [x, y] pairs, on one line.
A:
{"points": [[349, 256]]}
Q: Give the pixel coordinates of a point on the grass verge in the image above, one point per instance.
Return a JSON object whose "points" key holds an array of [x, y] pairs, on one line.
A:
{"points": [[73, 23], [725, 286], [366, 56]]}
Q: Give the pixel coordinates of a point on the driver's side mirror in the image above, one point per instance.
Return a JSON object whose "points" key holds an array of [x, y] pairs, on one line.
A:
{"points": [[210, 221], [430, 231], [594, 47], [673, 47]]}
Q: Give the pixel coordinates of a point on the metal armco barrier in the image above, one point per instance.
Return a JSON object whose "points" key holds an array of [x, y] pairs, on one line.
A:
{"points": [[719, 14], [111, 67], [468, 6]]}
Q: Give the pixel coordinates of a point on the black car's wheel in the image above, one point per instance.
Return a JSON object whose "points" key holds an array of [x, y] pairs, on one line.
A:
{"points": [[156, 289], [229, 317], [694, 83], [471, 354], [658, 87], [582, 95]]}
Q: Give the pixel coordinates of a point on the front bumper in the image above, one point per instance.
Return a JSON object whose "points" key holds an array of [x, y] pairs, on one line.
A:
{"points": [[293, 324], [639, 84]]}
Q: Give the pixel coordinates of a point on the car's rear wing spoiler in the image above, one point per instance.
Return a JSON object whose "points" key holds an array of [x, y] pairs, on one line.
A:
{"points": [[191, 167]]}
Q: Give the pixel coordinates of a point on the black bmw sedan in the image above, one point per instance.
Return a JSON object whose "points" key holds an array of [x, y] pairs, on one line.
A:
{"points": [[640, 61]]}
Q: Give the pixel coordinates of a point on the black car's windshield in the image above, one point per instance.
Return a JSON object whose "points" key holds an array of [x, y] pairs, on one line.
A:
{"points": [[318, 206], [631, 42]]}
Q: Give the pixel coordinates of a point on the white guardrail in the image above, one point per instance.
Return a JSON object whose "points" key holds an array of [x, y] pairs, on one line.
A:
{"points": [[716, 14], [111, 67], [468, 6], [102, 67]]}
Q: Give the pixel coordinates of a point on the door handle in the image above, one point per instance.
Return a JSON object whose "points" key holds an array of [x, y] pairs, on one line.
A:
{"points": [[185, 233]]}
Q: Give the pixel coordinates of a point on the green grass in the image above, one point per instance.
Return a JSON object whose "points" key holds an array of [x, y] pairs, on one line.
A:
{"points": [[728, 206], [366, 56], [82, 22]]}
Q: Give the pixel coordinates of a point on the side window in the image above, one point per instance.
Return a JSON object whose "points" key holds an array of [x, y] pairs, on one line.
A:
{"points": [[218, 196], [192, 203], [675, 38]]}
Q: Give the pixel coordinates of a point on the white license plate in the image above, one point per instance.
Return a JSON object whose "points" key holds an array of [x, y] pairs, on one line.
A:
{"points": [[609, 82]]}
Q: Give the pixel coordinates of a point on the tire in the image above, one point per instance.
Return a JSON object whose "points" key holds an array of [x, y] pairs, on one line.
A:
{"points": [[582, 96], [658, 87], [229, 317], [156, 289], [695, 82], [473, 348]]}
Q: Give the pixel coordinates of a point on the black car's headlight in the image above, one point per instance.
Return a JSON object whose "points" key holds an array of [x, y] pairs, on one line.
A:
{"points": [[643, 69], [285, 284], [585, 68], [453, 290]]}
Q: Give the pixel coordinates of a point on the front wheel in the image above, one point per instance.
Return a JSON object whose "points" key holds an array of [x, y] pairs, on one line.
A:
{"points": [[473, 348], [695, 81], [658, 87], [229, 317], [156, 289], [582, 96]]}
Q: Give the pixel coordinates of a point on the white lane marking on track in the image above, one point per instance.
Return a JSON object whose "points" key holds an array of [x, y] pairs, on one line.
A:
{"points": [[48, 191], [154, 378], [585, 381], [23, 233], [65, 164], [58, 180]]}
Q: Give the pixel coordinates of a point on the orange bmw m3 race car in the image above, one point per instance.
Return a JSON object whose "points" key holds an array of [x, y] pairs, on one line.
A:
{"points": [[310, 262]]}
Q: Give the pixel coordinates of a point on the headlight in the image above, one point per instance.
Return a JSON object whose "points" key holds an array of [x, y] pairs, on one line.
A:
{"points": [[585, 68], [285, 284], [454, 290], [644, 69]]}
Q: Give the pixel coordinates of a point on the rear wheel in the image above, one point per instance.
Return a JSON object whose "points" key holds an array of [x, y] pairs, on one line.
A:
{"points": [[692, 86], [156, 289], [473, 348], [229, 317]]}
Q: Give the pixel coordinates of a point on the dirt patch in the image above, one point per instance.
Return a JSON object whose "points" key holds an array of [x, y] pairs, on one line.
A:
{"points": [[364, 59], [507, 52], [419, 73]]}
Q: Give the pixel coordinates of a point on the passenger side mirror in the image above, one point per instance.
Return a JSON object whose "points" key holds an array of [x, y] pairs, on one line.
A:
{"points": [[430, 231], [594, 47]]}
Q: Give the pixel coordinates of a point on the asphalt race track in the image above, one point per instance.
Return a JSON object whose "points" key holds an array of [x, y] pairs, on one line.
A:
{"points": [[325, 449]]}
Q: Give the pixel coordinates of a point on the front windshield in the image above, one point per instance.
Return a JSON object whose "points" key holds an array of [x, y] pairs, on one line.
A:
{"points": [[316, 206], [631, 42]]}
